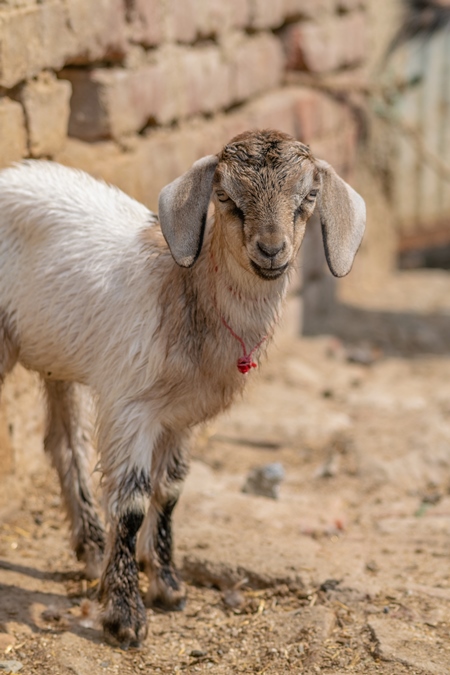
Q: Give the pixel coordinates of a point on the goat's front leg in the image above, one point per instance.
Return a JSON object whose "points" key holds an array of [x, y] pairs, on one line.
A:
{"points": [[169, 469], [126, 479]]}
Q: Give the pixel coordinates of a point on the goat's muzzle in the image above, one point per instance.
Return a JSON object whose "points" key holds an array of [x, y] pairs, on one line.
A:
{"points": [[269, 273]]}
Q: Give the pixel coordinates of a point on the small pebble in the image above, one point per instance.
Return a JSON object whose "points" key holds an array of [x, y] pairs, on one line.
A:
{"points": [[265, 480], [329, 585], [11, 666], [363, 355], [197, 653], [52, 613], [233, 598]]}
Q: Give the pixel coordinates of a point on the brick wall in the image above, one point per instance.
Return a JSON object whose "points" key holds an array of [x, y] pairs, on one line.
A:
{"points": [[135, 90]]}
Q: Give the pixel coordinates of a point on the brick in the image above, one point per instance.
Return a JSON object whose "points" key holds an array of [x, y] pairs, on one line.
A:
{"points": [[103, 160], [310, 9], [143, 170], [169, 88], [275, 111], [309, 46], [50, 34], [153, 161], [187, 20], [236, 123], [13, 137], [267, 14], [257, 64], [338, 149], [163, 157], [111, 103], [215, 17], [88, 115], [31, 38], [205, 81], [318, 115], [306, 111], [239, 13], [326, 46], [306, 114], [96, 30], [178, 84], [354, 38], [181, 20], [46, 102], [146, 21], [212, 135]]}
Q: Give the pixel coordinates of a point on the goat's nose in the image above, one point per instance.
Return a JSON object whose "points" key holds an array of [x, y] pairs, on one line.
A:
{"points": [[271, 251]]}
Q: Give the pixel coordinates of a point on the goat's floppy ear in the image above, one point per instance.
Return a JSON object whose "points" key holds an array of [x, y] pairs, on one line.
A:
{"points": [[343, 220], [183, 205]]}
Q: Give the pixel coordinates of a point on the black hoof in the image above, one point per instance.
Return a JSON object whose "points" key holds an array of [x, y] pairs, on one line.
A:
{"points": [[162, 605], [124, 637], [167, 597], [125, 626]]}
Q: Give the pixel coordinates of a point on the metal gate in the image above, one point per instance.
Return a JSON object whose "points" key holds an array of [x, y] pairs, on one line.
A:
{"points": [[419, 76]]}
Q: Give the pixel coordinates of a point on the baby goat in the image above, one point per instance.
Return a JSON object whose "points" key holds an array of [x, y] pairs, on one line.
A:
{"points": [[163, 333]]}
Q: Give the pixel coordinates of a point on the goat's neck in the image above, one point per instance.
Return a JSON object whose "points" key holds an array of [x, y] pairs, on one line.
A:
{"points": [[248, 304]]}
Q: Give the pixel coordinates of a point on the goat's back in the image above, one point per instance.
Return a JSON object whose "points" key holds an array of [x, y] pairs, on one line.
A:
{"points": [[71, 266]]}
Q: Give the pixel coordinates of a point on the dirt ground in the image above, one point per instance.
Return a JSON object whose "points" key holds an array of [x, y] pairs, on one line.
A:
{"points": [[347, 572]]}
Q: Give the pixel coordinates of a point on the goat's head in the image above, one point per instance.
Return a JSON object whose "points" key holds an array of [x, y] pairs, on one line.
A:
{"points": [[265, 185]]}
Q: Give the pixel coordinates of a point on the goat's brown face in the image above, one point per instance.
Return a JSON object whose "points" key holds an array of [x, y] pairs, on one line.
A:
{"points": [[264, 185], [264, 190]]}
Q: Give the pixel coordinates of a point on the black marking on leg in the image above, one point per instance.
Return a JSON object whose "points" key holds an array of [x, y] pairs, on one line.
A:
{"points": [[130, 524], [124, 617], [177, 468], [135, 482], [93, 536], [163, 544], [166, 570], [93, 539], [166, 589]]}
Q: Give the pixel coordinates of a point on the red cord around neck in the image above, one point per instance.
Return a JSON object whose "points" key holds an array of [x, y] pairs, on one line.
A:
{"points": [[244, 363]]}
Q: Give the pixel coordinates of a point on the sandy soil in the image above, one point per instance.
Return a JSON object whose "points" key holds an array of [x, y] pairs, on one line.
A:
{"points": [[347, 572]]}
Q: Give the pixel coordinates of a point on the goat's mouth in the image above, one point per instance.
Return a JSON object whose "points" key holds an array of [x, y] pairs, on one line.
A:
{"points": [[269, 273]]}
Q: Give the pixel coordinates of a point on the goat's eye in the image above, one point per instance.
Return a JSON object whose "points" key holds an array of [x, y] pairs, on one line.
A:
{"points": [[310, 197], [222, 196]]}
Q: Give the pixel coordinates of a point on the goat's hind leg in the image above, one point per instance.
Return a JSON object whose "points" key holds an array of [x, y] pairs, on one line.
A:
{"points": [[67, 440], [170, 467], [9, 349]]}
